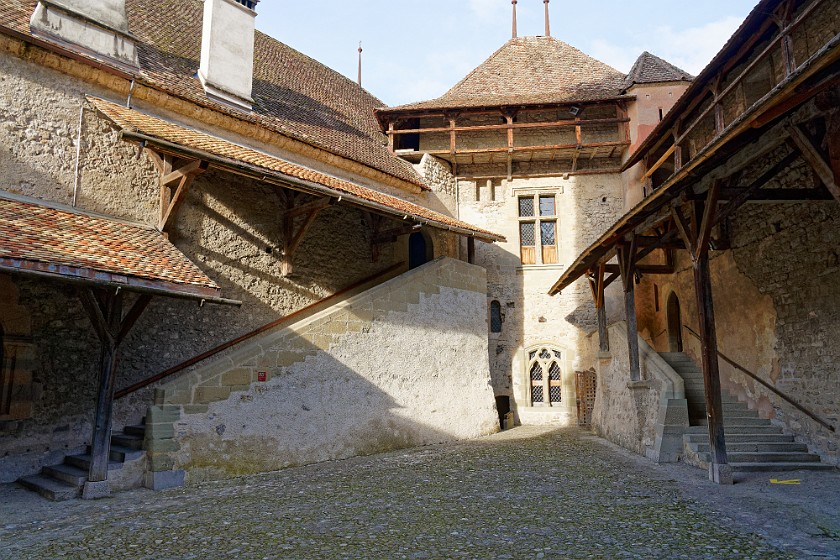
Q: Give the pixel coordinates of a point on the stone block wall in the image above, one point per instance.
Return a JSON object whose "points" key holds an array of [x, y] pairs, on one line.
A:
{"points": [[402, 364], [228, 225], [648, 416], [586, 206]]}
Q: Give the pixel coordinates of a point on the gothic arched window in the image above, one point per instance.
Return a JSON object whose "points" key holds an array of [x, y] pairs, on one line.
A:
{"points": [[546, 375]]}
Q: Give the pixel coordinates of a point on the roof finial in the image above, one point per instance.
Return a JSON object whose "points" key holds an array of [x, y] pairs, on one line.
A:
{"points": [[513, 2], [360, 64], [547, 25]]}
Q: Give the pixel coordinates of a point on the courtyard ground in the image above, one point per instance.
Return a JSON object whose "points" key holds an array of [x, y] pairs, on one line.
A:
{"points": [[525, 493]]}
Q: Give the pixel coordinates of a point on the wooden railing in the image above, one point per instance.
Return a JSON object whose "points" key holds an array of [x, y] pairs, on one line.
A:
{"points": [[272, 325], [783, 396]]}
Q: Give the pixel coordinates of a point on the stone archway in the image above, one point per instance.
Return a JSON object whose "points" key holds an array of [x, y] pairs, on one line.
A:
{"points": [[674, 317]]}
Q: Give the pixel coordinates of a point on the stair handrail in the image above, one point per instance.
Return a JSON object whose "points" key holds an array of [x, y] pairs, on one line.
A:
{"points": [[242, 338], [738, 366]]}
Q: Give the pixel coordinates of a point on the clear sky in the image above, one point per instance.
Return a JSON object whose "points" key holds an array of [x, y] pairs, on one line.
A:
{"points": [[417, 49]]}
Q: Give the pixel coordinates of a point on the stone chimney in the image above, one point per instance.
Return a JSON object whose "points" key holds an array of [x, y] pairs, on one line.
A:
{"points": [[98, 27], [227, 51]]}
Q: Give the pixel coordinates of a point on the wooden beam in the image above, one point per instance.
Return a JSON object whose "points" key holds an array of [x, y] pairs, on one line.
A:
{"points": [[684, 229], [626, 255], [643, 269], [178, 179], [292, 236], [704, 234], [815, 159], [302, 209], [516, 126], [777, 195], [719, 471], [659, 162], [750, 190]]}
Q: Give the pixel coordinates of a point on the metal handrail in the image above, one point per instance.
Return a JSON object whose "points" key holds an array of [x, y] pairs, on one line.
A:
{"points": [[738, 366], [274, 324]]}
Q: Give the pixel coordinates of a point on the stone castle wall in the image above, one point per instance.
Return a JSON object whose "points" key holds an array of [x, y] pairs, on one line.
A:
{"points": [[228, 225], [402, 364]]}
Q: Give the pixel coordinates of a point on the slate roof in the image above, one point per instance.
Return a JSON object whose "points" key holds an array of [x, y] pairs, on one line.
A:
{"points": [[526, 71], [270, 166], [293, 94], [650, 69], [63, 242]]}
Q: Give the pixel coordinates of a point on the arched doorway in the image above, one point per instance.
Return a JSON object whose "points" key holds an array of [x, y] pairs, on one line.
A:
{"points": [[419, 250], [675, 341]]}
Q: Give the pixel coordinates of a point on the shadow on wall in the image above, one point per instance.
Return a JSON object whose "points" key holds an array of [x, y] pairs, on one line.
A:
{"points": [[401, 365]]}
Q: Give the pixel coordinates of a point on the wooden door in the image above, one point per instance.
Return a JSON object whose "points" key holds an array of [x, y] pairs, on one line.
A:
{"points": [[585, 386]]}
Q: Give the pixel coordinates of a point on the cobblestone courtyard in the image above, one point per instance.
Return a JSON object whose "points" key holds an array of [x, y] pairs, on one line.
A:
{"points": [[525, 493]]}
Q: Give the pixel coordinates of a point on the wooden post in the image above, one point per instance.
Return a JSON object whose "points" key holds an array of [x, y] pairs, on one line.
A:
{"points": [[626, 254], [101, 442], [105, 312], [601, 307], [719, 470], [471, 250]]}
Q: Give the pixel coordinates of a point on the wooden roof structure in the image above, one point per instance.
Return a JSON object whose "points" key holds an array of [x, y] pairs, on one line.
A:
{"points": [[527, 76], [770, 99], [784, 54], [217, 152]]}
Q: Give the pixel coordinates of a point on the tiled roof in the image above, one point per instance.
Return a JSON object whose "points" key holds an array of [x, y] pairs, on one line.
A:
{"points": [[650, 69], [66, 243], [270, 166], [293, 94], [530, 70]]}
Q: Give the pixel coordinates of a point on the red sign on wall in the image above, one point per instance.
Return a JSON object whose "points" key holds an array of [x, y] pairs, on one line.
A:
{"points": [[262, 375]]}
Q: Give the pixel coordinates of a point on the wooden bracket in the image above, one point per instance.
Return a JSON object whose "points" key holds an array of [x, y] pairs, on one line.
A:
{"points": [[812, 155], [293, 233], [177, 175]]}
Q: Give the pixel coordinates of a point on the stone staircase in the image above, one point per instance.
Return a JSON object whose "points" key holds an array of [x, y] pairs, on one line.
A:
{"points": [[752, 443], [66, 480]]}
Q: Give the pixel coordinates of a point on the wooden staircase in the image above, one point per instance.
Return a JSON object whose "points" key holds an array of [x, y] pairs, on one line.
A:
{"points": [[752, 443], [66, 480]]}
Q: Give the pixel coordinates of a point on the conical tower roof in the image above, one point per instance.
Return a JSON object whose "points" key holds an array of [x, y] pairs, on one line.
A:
{"points": [[650, 69], [531, 70]]}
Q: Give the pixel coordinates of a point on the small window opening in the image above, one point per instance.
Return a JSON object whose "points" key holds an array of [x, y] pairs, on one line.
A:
{"points": [[495, 317], [660, 114]]}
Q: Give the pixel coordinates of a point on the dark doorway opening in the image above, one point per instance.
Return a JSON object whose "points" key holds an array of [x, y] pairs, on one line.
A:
{"points": [[419, 250], [503, 406], [675, 341]]}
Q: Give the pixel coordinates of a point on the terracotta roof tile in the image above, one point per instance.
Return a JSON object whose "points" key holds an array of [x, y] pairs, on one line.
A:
{"points": [[53, 237], [650, 69], [293, 94], [135, 121], [530, 70]]}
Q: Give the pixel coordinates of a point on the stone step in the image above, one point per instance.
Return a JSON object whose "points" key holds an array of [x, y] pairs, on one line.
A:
{"points": [[731, 430], [138, 430], [740, 438], [741, 421], [83, 462], [131, 441], [122, 454], [769, 467], [50, 488], [66, 473], [766, 457], [755, 447]]}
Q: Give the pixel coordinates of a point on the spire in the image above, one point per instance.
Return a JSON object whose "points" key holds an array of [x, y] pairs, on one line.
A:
{"points": [[547, 25], [360, 64], [513, 2]]}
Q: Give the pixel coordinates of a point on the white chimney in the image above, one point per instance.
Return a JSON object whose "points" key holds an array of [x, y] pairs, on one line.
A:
{"points": [[227, 51], [99, 27]]}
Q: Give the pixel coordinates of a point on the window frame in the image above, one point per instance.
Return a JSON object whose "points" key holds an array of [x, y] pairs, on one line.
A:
{"points": [[538, 254]]}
